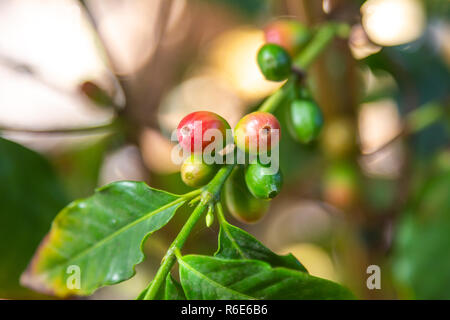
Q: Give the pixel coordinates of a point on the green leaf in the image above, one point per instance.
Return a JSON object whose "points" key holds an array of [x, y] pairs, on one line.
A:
{"points": [[30, 197], [171, 291], [421, 255], [102, 235], [235, 243], [204, 277]]}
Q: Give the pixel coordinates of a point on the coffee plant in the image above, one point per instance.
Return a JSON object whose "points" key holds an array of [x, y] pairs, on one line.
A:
{"points": [[103, 235]]}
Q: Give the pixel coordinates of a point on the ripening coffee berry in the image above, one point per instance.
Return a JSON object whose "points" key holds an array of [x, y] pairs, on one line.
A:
{"points": [[240, 202], [338, 138], [256, 132], [340, 185], [195, 172], [274, 62], [289, 34], [193, 134], [305, 120], [262, 182]]}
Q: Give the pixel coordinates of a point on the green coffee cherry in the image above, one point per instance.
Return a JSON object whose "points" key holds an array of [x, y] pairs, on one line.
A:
{"points": [[341, 185], [262, 182], [274, 62], [305, 120], [338, 139], [195, 172], [240, 202]]}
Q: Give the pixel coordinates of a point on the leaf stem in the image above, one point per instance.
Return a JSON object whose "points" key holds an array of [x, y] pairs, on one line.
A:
{"points": [[210, 195], [191, 195], [220, 215]]}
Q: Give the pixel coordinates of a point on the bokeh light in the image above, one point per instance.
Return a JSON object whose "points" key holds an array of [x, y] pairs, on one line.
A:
{"points": [[315, 259], [393, 22], [233, 55]]}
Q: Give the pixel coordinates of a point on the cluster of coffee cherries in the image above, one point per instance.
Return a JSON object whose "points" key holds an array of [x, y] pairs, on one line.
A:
{"points": [[284, 40], [250, 187]]}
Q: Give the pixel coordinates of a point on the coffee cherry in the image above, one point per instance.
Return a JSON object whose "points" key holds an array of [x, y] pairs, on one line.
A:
{"points": [[340, 186], [339, 137], [262, 182], [191, 130], [256, 132], [289, 34], [240, 202], [274, 62], [195, 172], [305, 120]]}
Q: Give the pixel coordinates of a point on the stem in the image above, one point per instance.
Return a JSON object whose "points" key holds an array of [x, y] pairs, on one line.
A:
{"points": [[303, 60], [169, 258], [210, 194], [220, 215], [272, 102], [416, 121], [322, 38], [424, 116]]}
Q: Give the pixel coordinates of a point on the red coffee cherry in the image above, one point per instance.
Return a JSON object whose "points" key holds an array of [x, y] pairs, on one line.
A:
{"points": [[256, 132], [192, 128], [289, 34]]}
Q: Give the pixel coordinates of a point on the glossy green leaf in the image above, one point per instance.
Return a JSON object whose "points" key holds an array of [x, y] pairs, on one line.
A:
{"points": [[30, 197], [204, 277], [102, 236], [235, 243], [172, 290]]}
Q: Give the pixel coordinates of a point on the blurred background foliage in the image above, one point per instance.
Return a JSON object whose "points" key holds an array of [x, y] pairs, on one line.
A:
{"points": [[96, 88]]}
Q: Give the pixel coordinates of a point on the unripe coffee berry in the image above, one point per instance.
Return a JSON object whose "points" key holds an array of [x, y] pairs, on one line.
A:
{"points": [[256, 132], [195, 172], [338, 139], [274, 62], [305, 120], [240, 202], [289, 34], [193, 134], [262, 182], [341, 185]]}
